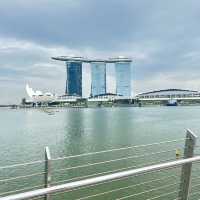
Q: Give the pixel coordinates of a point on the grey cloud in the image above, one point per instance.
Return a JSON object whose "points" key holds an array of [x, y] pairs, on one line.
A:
{"points": [[161, 36], [103, 24]]}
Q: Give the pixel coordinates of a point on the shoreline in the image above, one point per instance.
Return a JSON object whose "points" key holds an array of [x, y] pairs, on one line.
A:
{"points": [[83, 107]]}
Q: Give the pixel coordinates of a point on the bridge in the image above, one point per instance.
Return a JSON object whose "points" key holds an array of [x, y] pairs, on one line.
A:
{"points": [[167, 98], [164, 96]]}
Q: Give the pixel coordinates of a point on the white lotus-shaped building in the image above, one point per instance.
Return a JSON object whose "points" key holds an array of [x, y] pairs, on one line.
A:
{"points": [[39, 96]]}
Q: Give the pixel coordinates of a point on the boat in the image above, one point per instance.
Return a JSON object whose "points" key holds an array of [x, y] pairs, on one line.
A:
{"points": [[172, 102]]}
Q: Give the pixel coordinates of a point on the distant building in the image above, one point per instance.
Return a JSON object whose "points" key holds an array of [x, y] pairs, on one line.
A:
{"points": [[169, 94], [123, 76], [39, 96], [98, 70], [98, 74], [74, 78]]}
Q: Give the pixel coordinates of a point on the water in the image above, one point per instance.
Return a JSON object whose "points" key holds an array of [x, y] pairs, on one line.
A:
{"points": [[25, 133]]}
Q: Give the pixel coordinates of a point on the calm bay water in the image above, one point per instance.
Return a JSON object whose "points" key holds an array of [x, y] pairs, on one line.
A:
{"points": [[25, 133]]}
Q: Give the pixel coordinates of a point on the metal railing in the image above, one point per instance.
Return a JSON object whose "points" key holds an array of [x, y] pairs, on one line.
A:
{"points": [[180, 190], [102, 179]]}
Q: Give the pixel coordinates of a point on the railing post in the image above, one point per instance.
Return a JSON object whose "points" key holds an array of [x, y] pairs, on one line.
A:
{"points": [[47, 170], [187, 168]]}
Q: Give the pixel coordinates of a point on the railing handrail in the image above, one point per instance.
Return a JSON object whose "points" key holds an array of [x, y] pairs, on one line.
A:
{"points": [[92, 153], [119, 149], [100, 179]]}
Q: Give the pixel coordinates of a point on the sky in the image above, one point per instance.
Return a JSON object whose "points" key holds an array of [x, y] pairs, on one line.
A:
{"points": [[162, 37]]}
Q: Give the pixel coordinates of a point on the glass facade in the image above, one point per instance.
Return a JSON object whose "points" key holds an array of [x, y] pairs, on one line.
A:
{"points": [[74, 78], [123, 78], [98, 78]]}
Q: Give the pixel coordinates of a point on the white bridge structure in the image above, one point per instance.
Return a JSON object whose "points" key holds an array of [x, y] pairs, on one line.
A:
{"points": [[177, 94]]}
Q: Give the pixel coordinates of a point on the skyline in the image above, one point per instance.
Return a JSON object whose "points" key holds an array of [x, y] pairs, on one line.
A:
{"points": [[161, 37], [121, 66]]}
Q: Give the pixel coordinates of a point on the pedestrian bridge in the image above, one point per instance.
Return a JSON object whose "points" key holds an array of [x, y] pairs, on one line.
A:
{"points": [[155, 98], [166, 95]]}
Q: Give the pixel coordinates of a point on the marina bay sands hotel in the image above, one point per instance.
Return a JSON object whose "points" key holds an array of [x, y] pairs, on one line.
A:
{"points": [[74, 80]]}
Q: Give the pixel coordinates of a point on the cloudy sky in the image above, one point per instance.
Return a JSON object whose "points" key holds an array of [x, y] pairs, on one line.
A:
{"points": [[163, 37]]}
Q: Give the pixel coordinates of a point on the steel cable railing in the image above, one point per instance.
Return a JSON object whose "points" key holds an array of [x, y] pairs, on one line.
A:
{"points": [[147, 191], [102, 179], [92, 164], [164, 195], [22, 177], [42, 173], [22, 190], [108, 192], [194, 177], [87, 176], [91, 153], [19, 181], [194, 186], [22, 164], [42, 197], [114, 160], [119, 149], [195, 170], [194, 194], [65, 180], [112, 171], [119, 189], [143, 183]]}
